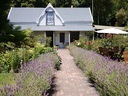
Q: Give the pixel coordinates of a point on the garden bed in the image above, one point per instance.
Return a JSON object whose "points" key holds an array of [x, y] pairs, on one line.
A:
{"points": [[110, 77], [34, 77]]}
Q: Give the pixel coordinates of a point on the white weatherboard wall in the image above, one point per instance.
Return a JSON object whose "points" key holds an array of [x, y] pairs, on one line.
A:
{"points": [[57, 19]]}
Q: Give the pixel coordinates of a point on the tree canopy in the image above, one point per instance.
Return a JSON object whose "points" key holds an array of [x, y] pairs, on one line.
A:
{"points": [[104, 11]]}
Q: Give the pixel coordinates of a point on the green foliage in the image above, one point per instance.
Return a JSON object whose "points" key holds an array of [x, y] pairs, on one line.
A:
{"points": [[121, 17], [16, 38], [12, 60], [55, 47], [6, 46], [42, 39], [29, 40], [109, 41], [15, 60], [120, 41], [101, 10], [4, 7], [106, 43], [7, 78], [81, 42], [31, 3], [95, 45], [67, 47], [89, 45], [40, 49], [5, 65]]}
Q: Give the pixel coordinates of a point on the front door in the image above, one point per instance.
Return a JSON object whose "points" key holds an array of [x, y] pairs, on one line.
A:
{"points": [[62, 39], [50, 34]]}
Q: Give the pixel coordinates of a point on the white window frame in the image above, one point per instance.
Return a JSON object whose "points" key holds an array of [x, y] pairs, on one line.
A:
{"points": [[50, 23]]}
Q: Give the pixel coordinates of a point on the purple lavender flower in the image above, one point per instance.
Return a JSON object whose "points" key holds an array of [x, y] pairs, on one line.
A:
{"points": [[112, 74]]}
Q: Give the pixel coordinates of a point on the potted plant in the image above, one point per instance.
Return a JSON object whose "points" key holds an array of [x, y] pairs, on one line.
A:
{"points": [[55, 47], [67, 47]]}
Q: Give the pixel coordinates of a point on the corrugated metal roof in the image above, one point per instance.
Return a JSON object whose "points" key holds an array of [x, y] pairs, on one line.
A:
{"points": [[32, 14], [25, 14], [74, 14], [58, 28]]}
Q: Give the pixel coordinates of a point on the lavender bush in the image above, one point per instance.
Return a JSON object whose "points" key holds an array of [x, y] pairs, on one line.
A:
{"points": [[34, 78], [110, 77]]}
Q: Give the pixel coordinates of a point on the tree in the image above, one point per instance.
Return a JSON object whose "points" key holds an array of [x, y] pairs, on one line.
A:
{"points": [[31, 3], [4, 8], [62, 3], [121, 17], [68, 3], [102, 9], [78, 3]]}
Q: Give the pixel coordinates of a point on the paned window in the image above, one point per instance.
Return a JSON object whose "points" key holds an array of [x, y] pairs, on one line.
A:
{"points": [[50, 18]]}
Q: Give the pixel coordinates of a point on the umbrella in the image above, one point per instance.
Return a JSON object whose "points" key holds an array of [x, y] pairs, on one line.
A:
{"points": [[112, 31]]}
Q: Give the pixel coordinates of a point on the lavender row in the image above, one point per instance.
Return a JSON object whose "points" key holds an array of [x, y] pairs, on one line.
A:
{"points": [[34, 79], [110, 77]]}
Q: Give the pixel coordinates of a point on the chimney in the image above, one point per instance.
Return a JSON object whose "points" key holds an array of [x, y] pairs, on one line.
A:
{"points": [[71, 6]]}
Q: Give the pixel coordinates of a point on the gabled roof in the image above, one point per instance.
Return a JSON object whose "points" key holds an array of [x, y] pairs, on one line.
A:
{"points": [[43, 13], [17, 15]]}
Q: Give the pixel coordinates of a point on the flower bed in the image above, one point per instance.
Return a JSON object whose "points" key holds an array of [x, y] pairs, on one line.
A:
{"points": [[34, 78], [110, 77]]}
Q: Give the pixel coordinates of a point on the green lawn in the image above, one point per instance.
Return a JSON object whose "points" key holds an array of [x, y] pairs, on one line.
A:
{"points": [[7, 80]]}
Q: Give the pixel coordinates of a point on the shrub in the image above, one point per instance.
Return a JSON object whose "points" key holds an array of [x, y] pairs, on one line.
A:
{"points": [[12, 59], [35, 77], [110, 76], [81, 42], [95, 45]]}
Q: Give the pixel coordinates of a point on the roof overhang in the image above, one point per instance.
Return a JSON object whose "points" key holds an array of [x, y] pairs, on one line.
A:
{"points": [[58, 28]]}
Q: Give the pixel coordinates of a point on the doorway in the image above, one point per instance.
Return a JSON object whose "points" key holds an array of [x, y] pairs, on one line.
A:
{"points": [[62, 37], [50, 34], [74, 36]]}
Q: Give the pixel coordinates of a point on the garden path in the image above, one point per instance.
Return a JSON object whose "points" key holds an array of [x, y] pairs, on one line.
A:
{"points": [[70, 80]]}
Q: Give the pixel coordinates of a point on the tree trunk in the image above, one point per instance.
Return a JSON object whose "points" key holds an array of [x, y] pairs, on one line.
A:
{"points": [[98, 18]]}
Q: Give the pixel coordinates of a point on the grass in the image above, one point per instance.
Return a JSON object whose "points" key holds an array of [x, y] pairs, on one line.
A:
{"points": [[7, 78]]}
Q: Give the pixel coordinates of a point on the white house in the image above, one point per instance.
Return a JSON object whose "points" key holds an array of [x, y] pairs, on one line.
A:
{"points": [[62, 24]]}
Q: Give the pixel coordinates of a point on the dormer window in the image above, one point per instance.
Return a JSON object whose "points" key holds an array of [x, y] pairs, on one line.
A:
{"points": [[50, 18]]}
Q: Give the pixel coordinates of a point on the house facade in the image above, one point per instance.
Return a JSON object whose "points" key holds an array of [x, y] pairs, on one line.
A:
{"points": [[63, 25]]}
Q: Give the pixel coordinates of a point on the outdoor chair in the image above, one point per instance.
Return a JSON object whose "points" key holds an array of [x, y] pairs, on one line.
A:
{"points": [[101, 50], [116, 48], [119, 55], [125, 57], [106, 53]]}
